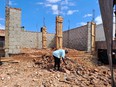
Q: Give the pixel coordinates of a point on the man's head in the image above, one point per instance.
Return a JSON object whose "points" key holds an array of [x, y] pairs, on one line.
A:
{"points": [[66, 51]]}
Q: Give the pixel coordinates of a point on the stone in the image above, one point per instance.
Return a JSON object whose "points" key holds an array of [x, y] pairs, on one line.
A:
{"points": [[67, 71], [104, 72], [58, 75], [96, 70]]}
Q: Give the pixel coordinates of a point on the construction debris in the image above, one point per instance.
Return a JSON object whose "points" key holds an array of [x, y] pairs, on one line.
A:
{"points": [[35, 69]]}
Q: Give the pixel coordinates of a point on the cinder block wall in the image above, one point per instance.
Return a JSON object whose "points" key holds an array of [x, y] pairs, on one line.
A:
{"points": [[100, 35], [80, 38], [76, 38], [34, 40], [30, 39], [15, 38], [50, 40]]}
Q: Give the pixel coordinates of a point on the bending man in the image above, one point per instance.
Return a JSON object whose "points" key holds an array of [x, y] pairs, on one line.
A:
{"points": [[59, 54]]}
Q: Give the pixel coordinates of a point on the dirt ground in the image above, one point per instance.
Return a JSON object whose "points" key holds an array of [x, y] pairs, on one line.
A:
{"points": [[34, 68]]}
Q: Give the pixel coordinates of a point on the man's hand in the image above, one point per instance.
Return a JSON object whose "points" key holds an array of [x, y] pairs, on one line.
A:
{"points": [[64, 61], [65, 64], [67, 58]]}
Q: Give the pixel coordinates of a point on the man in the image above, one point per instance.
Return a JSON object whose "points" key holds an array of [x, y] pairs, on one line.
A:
{"points": [[58, 54]]}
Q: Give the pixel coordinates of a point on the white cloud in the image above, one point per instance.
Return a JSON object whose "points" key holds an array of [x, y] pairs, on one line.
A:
{"points": [[12, 3], [48, 5], [2, 26], [71, 4], [64, 7], [66, 2], [70, 12], [54, 9], [53, 1], [1, 19], [39, 3], [83, 23], [87, 15], [98, 20], [54, 6]]}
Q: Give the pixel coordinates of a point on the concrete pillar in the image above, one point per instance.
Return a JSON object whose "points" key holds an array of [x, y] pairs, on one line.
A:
{"points": [[91, 37], [44, 38], [12, 31], [93, 28], [7, 31], [59, 34]]}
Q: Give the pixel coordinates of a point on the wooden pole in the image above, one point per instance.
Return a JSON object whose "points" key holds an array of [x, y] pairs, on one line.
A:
{"points": [[106, 7]]}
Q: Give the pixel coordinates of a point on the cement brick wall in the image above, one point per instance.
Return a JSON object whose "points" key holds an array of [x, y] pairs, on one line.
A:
{"points": [[30, 39], [34, 40], [50, 40], [15, 38], [100, 36], [76, 38]]}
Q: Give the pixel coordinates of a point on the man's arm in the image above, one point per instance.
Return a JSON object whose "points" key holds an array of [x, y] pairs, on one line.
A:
{"points": [[64, 61]]}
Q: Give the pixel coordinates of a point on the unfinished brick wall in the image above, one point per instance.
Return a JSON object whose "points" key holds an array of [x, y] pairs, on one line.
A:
{"points": [[100, 35], [30, 39], [51, 40], [16, 38], [76, 38], [34, 40], [79, 38]]}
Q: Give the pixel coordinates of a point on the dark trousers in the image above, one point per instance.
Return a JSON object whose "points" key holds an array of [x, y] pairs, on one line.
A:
{"points": [[56, 62]]}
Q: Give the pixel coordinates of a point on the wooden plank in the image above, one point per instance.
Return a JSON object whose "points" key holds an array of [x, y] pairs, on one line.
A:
{"points": [[8, 59], [106, 7], [5, 59]]}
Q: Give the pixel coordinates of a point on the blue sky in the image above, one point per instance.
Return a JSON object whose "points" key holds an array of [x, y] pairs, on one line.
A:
{"points": [[79, 12]]}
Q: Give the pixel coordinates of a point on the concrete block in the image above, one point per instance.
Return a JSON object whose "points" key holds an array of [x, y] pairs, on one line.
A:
{"points": [[10, 51]]}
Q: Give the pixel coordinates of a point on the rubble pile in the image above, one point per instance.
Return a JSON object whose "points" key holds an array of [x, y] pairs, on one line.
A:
{"points": [[35, 69]]}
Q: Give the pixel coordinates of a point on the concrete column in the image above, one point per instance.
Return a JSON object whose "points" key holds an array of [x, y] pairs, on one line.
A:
{"points": [[12, 31], [93, 28], [7, 31], [44, 38], [59, 34], [91, 37]]}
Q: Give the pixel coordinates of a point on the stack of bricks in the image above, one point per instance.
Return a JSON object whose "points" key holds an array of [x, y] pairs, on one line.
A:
{"points": [[59, 34]]}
